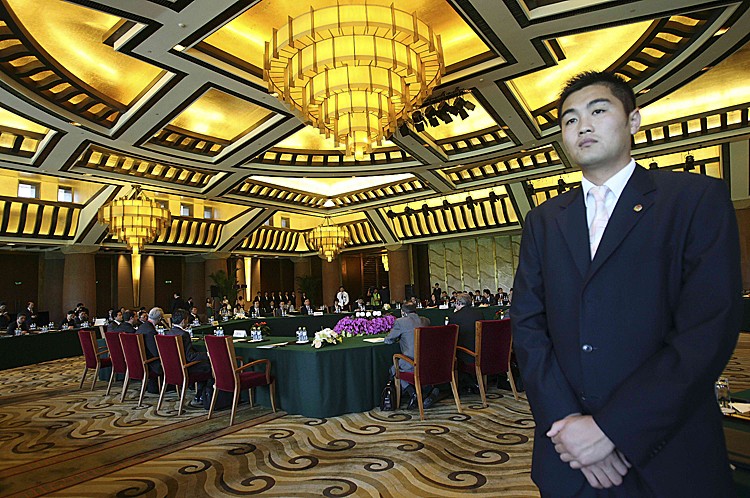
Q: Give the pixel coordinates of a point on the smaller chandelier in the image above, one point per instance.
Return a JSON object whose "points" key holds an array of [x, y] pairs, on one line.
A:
{"points": [[135, 220], [327, 239]]}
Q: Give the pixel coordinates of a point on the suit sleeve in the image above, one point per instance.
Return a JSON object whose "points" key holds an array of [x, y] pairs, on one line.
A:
{"points": [[550, 395], [395, 333], [681, 374]]}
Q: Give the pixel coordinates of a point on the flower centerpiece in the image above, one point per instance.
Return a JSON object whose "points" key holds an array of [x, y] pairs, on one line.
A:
{"points": [[350, 326], [264, 328], [326, 336]]}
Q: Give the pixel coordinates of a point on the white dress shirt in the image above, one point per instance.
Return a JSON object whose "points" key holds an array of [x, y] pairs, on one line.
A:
{"points": [[616, 185]]}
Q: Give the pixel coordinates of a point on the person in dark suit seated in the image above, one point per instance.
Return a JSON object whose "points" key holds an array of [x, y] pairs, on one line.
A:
{"points": [[116, 321], [18, 327], [192, 317], [307, 308], [128, 324], [433, 302], [466, 316], [487, 298], [148, 330], [179, 322], [70, 321], [83, 317], [256, 309], [4, 317], [403, 332]]}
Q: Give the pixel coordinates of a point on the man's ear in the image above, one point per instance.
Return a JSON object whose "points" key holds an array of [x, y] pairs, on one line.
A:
{"points": [[635, 121]]}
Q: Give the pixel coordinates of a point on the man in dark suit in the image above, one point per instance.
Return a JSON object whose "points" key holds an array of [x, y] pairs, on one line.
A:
{"points": [[148, 330], [466, 316], [129, 321], [403, 332], [179, 321], [307, 308], [618, 361]]}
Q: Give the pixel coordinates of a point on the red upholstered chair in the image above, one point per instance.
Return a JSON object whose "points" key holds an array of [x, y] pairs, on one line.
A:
{"points": [[175, 367], [116, 356], [434, 362], [92, 354], [135, 357], [230, 378], [492, 356]]}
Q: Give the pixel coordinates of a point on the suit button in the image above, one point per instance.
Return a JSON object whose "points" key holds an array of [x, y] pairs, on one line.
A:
{"points": [[587, 348]]}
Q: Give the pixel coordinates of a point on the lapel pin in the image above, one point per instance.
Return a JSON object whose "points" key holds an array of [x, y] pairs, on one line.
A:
{"points": [[637, 208]]}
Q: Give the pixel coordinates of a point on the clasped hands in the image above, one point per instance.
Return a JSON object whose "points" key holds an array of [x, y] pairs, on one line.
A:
{"points": [[582, 444]]}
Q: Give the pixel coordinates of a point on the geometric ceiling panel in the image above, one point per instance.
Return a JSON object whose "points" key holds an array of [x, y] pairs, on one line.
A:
{"points": [[67, 62], [18, 135], [31, 218], [522, 162], [211, 122]]}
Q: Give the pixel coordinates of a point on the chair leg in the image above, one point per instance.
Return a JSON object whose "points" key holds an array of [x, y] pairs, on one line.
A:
{"points": [[125, 385], [96, 376], [83, 377], [250, 394], [182, 396], [512, 383], [213, 402], [482, 381], [418, 387], [144, 382], [397, 381], [272, 388], [235, 399], [111, 378], [161, 396], [454, 387]]}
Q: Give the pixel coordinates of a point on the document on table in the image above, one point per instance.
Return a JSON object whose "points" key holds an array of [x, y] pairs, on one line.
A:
{"points": [[271, 346], [375, 339]]}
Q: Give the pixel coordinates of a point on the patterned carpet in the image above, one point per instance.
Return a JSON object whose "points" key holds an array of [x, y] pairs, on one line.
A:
{"points": [[58, 441]]}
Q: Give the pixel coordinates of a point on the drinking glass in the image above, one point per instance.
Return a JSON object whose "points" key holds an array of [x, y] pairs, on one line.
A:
{"points": [[721, 389]]}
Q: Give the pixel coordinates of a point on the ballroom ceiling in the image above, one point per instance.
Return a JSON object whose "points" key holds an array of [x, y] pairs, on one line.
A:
{"points": [[96, 97]]}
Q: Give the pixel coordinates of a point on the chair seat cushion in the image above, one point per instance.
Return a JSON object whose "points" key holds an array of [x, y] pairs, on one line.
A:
{"points": [[407, 377], [252, 379]]}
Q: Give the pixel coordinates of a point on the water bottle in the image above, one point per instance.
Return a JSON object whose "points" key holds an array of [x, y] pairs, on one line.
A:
{"points": [[447, 319]]}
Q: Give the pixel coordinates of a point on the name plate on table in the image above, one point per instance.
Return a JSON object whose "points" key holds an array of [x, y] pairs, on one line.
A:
{"points": [[214, 323], [443, 307], [318, 313], [239, 333]]}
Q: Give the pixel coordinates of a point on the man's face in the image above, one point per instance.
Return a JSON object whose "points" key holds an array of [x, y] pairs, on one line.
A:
{"points": [[21, 319], [194, 310], [307, 302], [596, 131], [31, 305], [118, 316]]}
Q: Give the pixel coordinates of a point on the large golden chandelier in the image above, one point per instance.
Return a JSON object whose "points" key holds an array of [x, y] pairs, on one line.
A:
{"points": [[327, 239], [354, 71], [136, 220]]}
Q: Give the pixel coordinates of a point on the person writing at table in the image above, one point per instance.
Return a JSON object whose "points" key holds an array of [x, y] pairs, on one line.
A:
{"points": [[623, 396], [403, 332], [19, 326]]}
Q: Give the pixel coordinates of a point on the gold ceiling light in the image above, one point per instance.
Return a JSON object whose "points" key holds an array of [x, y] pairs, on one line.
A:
{"points": [[136, 220], [328, 239], [354, 71]]}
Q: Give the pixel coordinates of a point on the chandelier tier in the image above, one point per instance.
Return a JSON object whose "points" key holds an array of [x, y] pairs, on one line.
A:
{"points": [[327, 239], [355, 72], [136, 220]]}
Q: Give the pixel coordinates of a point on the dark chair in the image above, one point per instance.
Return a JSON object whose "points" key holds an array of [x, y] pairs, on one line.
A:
{"points": [[494, 342], [230, 378], [116, 356], [434, 362], [135, 357], [175, 367], [92, 354]]}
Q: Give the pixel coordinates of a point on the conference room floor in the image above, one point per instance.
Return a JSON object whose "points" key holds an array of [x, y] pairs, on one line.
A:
{"points": [[59, 441]]}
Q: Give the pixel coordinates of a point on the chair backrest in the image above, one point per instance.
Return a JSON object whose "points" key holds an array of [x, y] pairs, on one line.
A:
{"points": [[134, 350], [115, 351], [172, 357], [493, 343], [221, 354], [435, 353], [88, 345]]}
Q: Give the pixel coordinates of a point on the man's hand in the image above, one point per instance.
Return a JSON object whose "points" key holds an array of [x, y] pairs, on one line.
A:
{"points": [[608, 472], [580, 441]]}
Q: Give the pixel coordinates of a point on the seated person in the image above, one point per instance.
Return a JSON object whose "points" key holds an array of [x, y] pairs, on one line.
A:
{"points": [[129, 323], [307, 308], [256, 309], [4, 317], [116, 321], [403, 332], [179, 322], [433, 302], [148, 330], [192, 317], [272, 308], [19, 327], [465, 316], [487, 298], [70, 321], [83, 317]]}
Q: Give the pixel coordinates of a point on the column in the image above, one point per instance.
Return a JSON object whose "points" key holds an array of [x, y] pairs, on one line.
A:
{"points": [[79, 277], [148, 282], [302, 268], [331, 281], [50, 290], [399, 274], [194, 281], [214, 262], [124, 282]]}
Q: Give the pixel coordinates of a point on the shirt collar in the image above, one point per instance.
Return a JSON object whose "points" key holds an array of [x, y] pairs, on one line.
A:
{"points": [[616, 183]]}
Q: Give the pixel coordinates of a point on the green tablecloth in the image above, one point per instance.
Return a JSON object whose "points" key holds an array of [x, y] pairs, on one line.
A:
{"points": [[285, 326], [25, 350], [325, 382], [437, 315]]}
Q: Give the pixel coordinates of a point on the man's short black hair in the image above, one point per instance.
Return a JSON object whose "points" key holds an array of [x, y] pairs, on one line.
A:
{"points": [[614, 82], [127, 315], [178, 316], [409, 307]]}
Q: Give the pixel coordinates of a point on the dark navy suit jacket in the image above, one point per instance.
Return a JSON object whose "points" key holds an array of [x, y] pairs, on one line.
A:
{"points": [[636, 337]]}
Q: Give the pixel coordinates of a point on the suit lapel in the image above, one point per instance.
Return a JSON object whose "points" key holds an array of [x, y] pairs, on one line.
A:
{"points": [[626, 215], [572, 223]]}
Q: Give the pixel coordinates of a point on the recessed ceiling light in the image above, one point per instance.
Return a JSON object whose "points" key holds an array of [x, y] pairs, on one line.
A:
{"points": [[179, 47]]}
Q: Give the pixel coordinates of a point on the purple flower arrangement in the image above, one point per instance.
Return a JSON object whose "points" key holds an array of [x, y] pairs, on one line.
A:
{"points": [[351, 326]]}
